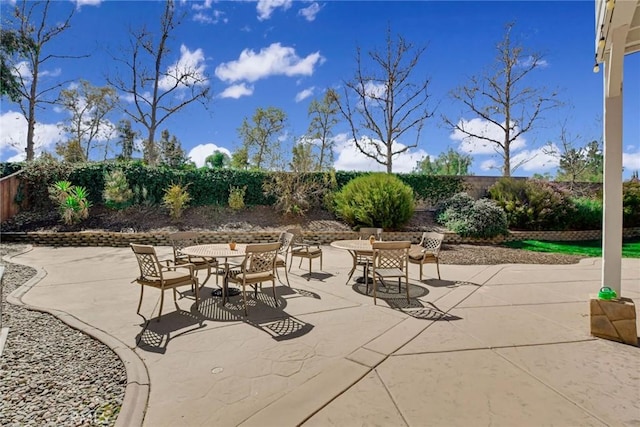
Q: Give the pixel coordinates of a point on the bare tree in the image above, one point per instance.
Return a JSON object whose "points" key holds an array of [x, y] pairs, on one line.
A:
{"points": [[158, 91], [30, 21], [323, 115], [502, 98], [89, 106], [387, 102]]}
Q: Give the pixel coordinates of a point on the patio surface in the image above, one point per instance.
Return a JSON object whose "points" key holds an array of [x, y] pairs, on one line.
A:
{"points": [[500, 345]]}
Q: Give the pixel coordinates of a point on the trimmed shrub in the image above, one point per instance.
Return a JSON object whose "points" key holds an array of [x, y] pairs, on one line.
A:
{"points": [[472, 218], [588, 214], [176, 198], [116, 194], [533, 204], [631, 203], [236, 197], [375, 200]]}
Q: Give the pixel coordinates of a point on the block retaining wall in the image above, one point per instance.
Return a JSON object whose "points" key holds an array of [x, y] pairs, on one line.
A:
{"points": [[113, 239]]}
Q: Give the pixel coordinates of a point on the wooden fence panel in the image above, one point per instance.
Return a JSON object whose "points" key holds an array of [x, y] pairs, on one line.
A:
{"points": [[9, 187]]}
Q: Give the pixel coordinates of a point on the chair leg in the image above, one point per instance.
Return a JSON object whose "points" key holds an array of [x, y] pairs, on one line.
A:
{"points": [[406, 285], [438, 269], [290, 263], [244, 298], [273, 286], [308, 278], [286, 276], [161, 303], [140, 302], [197, 294], [375, 288], [421, 271], [320, 261]]}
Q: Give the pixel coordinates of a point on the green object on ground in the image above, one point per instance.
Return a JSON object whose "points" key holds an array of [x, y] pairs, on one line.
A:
{"points": [[607, 293], [630, 247]]}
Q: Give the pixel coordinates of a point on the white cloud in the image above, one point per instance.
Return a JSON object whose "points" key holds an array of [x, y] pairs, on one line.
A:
{"points": [[266, 7], [304, 94], [542, 63], [374, 90], [538, 160], [472, 145], [202, 6], [80, 3], [631, 161], [13, 138], [199, 153], [202, 18], [489, 165], [237, 91], [189, 69], [310, 12], [273, 60], [348, 157], [216, 17]]}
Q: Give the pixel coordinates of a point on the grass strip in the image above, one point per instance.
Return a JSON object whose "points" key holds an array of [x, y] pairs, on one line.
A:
{"points": [[589, 248]]}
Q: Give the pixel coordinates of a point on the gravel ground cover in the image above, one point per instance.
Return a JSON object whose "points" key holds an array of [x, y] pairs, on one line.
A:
{"points": [[53, 375]]}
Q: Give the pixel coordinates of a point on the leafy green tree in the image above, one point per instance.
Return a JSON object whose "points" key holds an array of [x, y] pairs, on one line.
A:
{"points": [[260, 137], [240, 158], [384, 101], [576, 162], [324, 116], [502, 98], [448, 163], [127, 137], [171, 150], [89, 106], [217, 160], [12, 46], [71, 151]]}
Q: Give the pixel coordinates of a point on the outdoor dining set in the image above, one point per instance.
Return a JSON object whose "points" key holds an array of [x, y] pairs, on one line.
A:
{"points": [[251, 265]]}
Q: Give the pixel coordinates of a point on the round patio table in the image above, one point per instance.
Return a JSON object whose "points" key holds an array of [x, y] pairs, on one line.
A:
{"points": [[357, 248], [219, 251]]}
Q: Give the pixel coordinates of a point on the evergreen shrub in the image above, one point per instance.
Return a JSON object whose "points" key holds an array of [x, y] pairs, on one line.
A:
{"points": [[533, 204], [466, 217], [375, 200]]}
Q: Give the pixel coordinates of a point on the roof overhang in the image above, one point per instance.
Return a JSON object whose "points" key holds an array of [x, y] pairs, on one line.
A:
{"points": [[612, 14]]}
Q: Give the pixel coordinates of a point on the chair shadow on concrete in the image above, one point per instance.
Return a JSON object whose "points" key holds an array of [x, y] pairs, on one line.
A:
{"points": [[320, 276], [414, 308], [155, 336], [439, 283], [420, 310], [264, 314]]}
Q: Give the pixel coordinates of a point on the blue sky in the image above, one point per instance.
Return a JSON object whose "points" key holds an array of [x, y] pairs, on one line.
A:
{"points": [[284, 53]]}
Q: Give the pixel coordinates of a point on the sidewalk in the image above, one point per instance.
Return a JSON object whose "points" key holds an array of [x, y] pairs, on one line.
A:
{"points": [[500, 345]]}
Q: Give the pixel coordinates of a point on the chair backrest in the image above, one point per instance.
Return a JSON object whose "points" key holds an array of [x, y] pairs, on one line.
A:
{"points": [[261, 257], [285, 240], [147, 261], [391, 254], [432, 241], [181, 240], [297, 236], [365, 232]]}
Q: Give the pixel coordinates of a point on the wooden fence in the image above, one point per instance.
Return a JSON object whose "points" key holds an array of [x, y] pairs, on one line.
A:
{"points": [[9, 189]]}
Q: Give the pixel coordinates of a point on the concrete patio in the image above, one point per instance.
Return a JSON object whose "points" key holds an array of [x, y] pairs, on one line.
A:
{"points": [[500, 345]]}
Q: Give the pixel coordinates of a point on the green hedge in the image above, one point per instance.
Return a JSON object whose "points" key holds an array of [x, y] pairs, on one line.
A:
{"points": [[206, 186]]}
